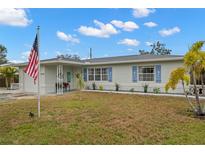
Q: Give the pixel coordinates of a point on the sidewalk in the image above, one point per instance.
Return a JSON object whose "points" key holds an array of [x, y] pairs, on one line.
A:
{"points": [[140, 93]]}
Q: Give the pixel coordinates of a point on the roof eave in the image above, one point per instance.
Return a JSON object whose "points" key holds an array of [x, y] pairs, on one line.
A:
{"points": [[136, 61]]}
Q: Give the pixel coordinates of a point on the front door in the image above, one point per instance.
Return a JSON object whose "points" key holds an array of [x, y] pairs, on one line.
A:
{"points": [[68, 77]]}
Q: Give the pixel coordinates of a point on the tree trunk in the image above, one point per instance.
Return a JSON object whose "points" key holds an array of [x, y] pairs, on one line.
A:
{"points": [[193, 107], [202, 84], [6, 79], [199, 110]]}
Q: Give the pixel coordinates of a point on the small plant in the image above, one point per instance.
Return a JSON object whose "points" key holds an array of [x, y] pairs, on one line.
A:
{"points": [[101, 87], [117, 86], [87, 87], [145, 88], [94, 86], [156, 90], [132, 90]]}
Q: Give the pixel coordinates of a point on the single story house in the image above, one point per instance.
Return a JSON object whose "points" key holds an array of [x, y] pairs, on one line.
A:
{"points": [[130, 72]]}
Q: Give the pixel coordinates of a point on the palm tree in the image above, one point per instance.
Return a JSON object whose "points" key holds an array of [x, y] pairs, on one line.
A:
{"points": [[194, 62], [8, 73], [80, 81]]}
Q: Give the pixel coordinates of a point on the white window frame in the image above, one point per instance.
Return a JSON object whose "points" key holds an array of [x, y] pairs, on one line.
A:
{"points": [[146, 66], [101, 74], [88, 74], [104, 74]]}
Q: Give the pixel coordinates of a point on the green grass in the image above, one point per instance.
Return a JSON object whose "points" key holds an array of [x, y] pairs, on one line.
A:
{"points": [[100, 118]]}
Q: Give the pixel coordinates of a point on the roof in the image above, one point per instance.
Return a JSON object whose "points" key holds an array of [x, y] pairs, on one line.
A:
{"points": [[133, 58], [112, 60]]}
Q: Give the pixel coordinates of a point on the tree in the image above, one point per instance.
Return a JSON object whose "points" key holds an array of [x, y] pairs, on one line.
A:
{"points": [[3, 52], [80, 82], [179, 75], [157, 49], [143, 52], [8, 73], [194, 64], [69, 56]]}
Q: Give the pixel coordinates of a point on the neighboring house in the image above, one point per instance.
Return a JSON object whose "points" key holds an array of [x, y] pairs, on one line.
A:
{"points": [[128, 71]]}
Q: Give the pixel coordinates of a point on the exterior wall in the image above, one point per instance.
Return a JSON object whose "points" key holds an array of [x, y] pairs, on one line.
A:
{"points": [[122, 74], [47, 79], [26, 83], [51, 73]]}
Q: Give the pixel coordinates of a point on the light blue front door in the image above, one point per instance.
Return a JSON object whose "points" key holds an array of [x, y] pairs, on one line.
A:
{"points": [[69, 77]]}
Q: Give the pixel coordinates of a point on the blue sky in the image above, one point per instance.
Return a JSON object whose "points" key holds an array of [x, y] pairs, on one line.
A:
{"points": [[110, 32]]}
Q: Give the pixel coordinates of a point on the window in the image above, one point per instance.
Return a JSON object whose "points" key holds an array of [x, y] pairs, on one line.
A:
{"points": [[91, 74], [104, 74], [97, 74], [146, 73]]}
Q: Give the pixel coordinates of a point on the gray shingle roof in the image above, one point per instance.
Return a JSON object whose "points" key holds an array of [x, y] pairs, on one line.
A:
{"points": [[116, 59], [131, 57]]}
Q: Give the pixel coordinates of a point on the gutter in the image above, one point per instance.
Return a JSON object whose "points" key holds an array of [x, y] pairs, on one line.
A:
{"points": [[105, 63]]}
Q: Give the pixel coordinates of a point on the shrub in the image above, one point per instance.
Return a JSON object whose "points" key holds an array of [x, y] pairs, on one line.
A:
{"points": [[87, 87], [145, 88], [132, 90], [156, 90], [117, 86], [101, 87], [94, 86]]}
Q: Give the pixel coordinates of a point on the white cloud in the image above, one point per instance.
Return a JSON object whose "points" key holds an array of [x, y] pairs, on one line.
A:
{"points": [[150, 24], [168, 32], [130, 49], [104, 30], [14, 17], [142, 12], [126, 26], [25, 55], [67, 37], [16, 61], [129, 42], [58, 53], [148, 43]]}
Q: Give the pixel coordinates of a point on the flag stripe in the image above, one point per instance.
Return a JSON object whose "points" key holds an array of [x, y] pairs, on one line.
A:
{"points": [[32, 67]]}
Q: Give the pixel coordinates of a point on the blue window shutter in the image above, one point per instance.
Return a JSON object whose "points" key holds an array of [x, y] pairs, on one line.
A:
{"points": [[158, 73], [85, 74], [134, 73], [110, 74]]}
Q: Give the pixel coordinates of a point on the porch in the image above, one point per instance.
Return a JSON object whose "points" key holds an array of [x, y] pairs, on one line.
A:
{"points": [[60, 78]]}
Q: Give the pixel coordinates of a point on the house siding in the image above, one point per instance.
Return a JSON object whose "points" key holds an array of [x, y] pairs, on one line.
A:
{"points": [[122, 74]]}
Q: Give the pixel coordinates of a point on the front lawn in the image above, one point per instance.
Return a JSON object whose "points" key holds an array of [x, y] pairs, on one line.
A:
{"points": [[100, 118]]}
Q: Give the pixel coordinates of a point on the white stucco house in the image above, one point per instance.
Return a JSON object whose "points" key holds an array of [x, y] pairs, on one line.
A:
{"points": [[129, 72]]}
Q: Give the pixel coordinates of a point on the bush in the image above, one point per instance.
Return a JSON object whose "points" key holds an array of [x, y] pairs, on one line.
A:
{"points": [[145, 88], [132, 90], [87, 87], [117, 86], [156, 90], [94, 86], [101, 87]]}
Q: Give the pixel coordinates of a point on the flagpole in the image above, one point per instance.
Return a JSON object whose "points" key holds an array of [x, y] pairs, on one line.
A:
{"points": [[39, 114]]}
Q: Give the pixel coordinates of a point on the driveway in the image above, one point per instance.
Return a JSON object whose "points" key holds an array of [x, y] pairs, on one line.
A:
{"points": [[6, 94]]}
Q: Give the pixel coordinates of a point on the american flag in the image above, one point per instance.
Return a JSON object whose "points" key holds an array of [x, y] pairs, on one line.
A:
{"points": [[33, 60]]}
